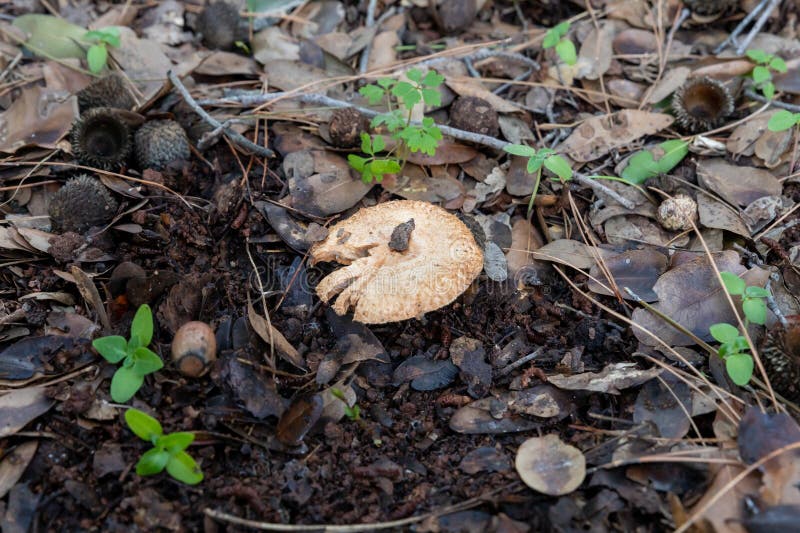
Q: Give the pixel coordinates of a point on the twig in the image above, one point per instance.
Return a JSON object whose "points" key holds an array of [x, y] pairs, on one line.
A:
{"points": [[232, 135], [783, 105], [599, 187], [363, 61], [758, 25], [519, 362], [741, 47]]}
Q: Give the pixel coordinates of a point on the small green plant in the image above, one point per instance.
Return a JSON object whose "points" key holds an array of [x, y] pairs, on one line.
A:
{"points": [[646, 164], [400, 98], [544, 157], [167, 451], [557, 37], [137, 359], [761, 74], [733, 347], [353, 413], [783, 120], [97, 53]]}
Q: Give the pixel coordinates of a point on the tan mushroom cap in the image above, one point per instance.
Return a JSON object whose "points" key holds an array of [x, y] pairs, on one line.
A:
{"points": [[383, 285]]}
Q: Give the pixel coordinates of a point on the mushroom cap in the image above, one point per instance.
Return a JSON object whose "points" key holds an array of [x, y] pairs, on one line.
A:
{"points": [[383, 285]]}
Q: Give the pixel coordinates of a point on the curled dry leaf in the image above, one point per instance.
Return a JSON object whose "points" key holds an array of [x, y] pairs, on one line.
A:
{"points": [[383, 285], [19, 407], [298, 419], [272, 336], [14, 464], [550, 466], [612, 379]]}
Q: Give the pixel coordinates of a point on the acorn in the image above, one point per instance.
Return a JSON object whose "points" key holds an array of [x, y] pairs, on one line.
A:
{"points": [[221, 26], [159, 142], [701, 104], [81, 203], [780, 353], [108, 91], [677, 213], [474, 114], [101, 139], [194, 348], [346, 126]]}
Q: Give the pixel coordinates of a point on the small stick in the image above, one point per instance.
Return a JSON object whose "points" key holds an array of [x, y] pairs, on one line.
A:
{"points": [[783, 105], [232, 135], [599, 187]]}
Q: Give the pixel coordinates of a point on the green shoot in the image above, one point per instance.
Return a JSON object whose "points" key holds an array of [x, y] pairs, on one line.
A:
{"points": [[400, 98], [537, 159], [137, 360], [167, 451], [762, 72], [353, 413], [557, 37], [783, 120], [647, 164], [97, 53], [733, 346]]}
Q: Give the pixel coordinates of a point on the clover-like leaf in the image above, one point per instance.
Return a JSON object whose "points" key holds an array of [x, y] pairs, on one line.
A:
{"points": [[414, 74], [566, 51], [756, 292], [733, 283], [125, 383], [406, 92], [558, 166], [778, 64], [182, 467], [357, 162], [723, 332], [152, 462], [373, 93], [432, 97], [143, 425], [378, 144], [782, 120], [758, 56], [432, 79], [520, 150], [761, 74], [113, 348], [768, 90], [755, 310], [740, 368]]}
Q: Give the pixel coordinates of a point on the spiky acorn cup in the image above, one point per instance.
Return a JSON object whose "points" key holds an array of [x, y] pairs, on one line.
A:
{"points": [[780, 353], [159, 142], [101, 139], [346, 126], [81, 203], [221, 26], [474, 114], [108, 91], [702, 104], [709, 8]]}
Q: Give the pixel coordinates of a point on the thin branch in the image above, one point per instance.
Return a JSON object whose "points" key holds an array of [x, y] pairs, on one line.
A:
{"points": [[232, 135], [599, 187], [776, 103]]}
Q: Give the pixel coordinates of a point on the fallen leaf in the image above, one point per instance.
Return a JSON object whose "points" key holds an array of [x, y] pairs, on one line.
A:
{"points": [[637, 269], [272, 336], [20, 406], [39, 117], [612, 379], [714, 214], [298, 419], [737, 184], [569, 252], [549, 466], [425, 374], [14, 464]]}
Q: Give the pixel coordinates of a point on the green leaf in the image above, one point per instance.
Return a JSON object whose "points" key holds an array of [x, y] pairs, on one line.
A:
{"points": [[384, 166], [520, 150], [52, 36], [558, 166], [778, 65], [432, 79], [740, 368], [146, 361], [378, 144], [566, 51], [643, 165], [761, 74], [432, 97], [152, 462], [733, 283], [143, 425], [357, 162], [562, 28], [551, 38], [176, 442], [759, 56], [367, 175], [406, 92], [373, 93], [182, 467], [366, 143], [755, 310], [109, 36], [756, 292], [113, 348], [723, 332], [142, 326], [125, 383], [96, 57], [534, 164], [386, 82], [414, 74], [768, 90], [781, 121]]}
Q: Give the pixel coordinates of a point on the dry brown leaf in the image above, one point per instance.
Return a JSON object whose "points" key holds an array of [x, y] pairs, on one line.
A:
{"points": [[90, 295], [612, 379], [635, 269], [298, 419], [640, 230], [271, 335], [727, 512], [143, 61], [14, 464], [594, 57], [20, 406], [384, 51], [598, 135], [715, 214], [672, 79], [549, 466], [472, 87], [524, 239], [39, 117], [569, 252], [737, 184]]}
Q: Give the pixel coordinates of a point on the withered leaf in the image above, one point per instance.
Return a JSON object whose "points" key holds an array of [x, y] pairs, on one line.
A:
{"points": [[637, 269], [549, 466], [298, 419]]}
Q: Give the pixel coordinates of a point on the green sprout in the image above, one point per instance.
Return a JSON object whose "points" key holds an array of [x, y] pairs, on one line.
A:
{"points": [[137, 360], [557, 37], [167, 451], [733, 347], [353, 413], [783, 120], [97, 53], [400, 98], [544, 157], [662, 158], [762, 72]]}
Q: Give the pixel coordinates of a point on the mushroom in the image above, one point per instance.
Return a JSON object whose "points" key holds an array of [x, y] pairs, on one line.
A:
{"points": [[403, 259], [194, 348]]}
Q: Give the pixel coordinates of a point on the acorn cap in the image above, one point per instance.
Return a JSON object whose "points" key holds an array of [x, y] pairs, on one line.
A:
{"points": [[101, 139], [108, 91], [81, 203], [346, 126], [677, 213], [220, 25], [159, 142], [780, 353], [438, 261], [474, 114], [701, 104], [709, 8]]}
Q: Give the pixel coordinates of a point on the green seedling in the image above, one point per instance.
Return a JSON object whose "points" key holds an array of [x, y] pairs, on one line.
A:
{"points": [[400, 98], [537, 159], [353, 413], [137, 360], [783, 120], [660, 159], [167, 451], [97, 53], [762, 72], [557, 37], [733, 347]]}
